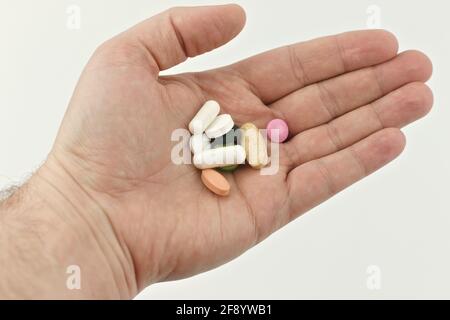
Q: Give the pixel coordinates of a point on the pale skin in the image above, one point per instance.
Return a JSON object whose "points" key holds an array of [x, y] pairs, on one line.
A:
{"points": [[109, 199]]}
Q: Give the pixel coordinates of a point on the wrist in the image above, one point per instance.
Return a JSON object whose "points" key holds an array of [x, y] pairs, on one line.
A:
{"points": [[56, 238]]}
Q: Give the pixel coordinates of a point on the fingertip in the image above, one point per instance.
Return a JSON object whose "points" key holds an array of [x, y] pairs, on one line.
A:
{"points": [[381, 148], [381, 39], [239, 10], [419, 65], [227, 21], [420, 98], [237, 13], [391, 144], [428, 98], [391, 39], [427, 64], [200, 29], [369, 47]]}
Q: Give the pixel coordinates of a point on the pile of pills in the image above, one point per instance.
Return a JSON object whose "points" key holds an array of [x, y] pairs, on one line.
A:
{"points": [[217, 144]]}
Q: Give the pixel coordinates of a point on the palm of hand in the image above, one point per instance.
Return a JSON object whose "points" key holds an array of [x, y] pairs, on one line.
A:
{"points": [[118, 129], [128, 149]]}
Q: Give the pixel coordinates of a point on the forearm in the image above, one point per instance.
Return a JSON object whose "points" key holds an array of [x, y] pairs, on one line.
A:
{"points": [[49, 230]]}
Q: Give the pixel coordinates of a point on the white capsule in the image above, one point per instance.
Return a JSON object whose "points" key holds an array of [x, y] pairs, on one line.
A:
{"points": [[221, 125], [199, 143], [204, 117], [220, 157]]}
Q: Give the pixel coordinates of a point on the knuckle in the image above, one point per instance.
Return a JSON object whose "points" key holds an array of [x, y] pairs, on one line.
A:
{"points": [[297, 67]]}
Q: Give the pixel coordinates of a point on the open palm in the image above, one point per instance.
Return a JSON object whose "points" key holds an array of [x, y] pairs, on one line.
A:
{"points": [[343, 98]]}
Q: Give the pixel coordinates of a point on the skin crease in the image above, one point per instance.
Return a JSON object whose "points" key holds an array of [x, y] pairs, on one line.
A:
{"points": [[344, 98]]}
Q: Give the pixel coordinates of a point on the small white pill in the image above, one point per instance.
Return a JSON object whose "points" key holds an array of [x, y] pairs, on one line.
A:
{"points": [[221, 125], [220, 157], [204, 117], [199, 143]]}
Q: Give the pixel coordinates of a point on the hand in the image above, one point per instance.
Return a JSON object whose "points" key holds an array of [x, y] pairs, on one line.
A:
{"points": [[344, 98]]}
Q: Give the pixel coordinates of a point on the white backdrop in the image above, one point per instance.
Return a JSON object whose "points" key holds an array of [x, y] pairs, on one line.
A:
{"points": [[386, 237]]}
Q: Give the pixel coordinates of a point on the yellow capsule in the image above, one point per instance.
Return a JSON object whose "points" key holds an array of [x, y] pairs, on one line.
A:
{"points": [[255, 146]]}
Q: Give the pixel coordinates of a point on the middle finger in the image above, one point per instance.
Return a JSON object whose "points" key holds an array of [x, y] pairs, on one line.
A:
{"points": [[321, 102]]}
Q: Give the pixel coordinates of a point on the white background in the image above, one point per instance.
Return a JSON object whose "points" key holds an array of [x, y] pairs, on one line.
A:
{"points": [[398, 219]]}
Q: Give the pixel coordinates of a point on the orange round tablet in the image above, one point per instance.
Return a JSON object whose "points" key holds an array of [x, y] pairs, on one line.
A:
{"points": [[215, 182]]}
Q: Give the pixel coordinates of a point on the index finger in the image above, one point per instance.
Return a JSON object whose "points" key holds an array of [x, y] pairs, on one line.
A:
{"points": [[276, 73]]}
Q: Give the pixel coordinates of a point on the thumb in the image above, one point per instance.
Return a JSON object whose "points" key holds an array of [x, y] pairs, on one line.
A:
{"points": [[178, 33]]}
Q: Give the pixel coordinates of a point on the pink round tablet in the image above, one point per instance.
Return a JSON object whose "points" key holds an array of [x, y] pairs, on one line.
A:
{"points": [[277, 130]]}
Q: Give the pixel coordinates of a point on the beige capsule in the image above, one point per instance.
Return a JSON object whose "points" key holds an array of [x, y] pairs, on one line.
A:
{"points": [[255, 146]]}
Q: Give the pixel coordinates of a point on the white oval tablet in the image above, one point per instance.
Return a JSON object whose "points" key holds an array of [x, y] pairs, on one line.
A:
{"points": [[204, 117], [221, 125], [199, 143], [220, 157]]}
